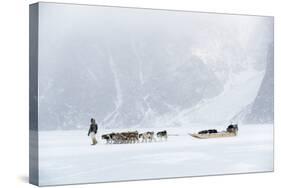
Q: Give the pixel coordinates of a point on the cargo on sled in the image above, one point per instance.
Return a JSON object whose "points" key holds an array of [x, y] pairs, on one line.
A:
{"points": [[232, 130]]}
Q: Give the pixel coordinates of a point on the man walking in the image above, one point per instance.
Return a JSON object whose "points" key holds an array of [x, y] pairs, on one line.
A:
{"points": [[93, 131]]}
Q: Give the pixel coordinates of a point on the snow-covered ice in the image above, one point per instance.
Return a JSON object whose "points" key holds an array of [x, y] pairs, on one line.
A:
{"points": [[66, 157]]}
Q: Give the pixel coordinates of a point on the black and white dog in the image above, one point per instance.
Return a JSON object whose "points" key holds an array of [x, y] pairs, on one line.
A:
{"points": [[147, 136], [106, 137], [162, 134]]}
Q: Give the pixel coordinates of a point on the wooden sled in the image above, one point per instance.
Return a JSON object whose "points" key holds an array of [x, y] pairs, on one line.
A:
{"points": [[213, 135]]}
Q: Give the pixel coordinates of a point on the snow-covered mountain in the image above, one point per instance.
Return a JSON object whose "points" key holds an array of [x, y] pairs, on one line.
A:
{"points": [[261, 110], [137, 68]]}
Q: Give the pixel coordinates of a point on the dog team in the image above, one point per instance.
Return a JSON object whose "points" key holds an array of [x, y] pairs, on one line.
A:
{"points": [[133, 137], [124, 137]]}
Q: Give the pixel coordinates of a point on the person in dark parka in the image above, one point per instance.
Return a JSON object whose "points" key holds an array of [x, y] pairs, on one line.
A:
{"points": [[93, 131]]}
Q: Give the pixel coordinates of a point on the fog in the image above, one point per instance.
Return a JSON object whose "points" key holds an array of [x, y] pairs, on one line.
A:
{"points": [[140, 67]]}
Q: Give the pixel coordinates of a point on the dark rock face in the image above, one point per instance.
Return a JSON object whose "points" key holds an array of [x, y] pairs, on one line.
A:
{"points": [[161, 91], [121, 88], [262, 109]]}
